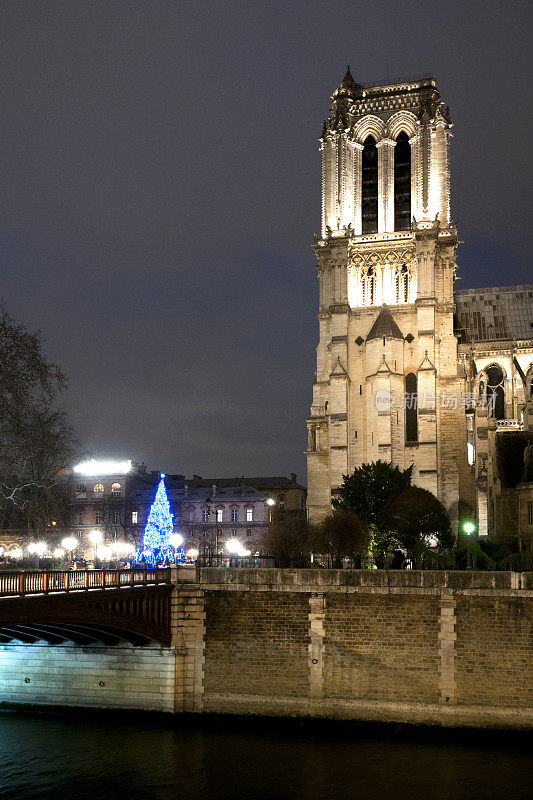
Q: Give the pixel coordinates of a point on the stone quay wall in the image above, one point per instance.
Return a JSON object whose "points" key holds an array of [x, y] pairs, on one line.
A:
{"points": [[420, 647]]}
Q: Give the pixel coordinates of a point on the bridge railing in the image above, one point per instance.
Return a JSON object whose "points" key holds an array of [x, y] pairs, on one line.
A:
{"points": [[15, 584]]}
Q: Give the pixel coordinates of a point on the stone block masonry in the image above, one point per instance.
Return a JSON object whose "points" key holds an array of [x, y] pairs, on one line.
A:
{"points": [[437, 648], [441, 648]]}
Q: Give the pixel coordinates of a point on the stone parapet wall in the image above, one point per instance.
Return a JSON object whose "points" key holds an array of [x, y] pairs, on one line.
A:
{"points": [[421, 647]]}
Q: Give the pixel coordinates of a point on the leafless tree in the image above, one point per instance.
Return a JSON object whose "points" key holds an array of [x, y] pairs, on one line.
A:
{"points": [[36, 442]]}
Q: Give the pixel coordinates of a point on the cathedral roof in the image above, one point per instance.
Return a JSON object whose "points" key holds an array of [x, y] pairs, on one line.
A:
{"points": [[384, 325], [495, 313]]}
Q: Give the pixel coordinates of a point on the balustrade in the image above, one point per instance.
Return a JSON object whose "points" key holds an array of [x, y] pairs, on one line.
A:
{"points": [[15, 584]]}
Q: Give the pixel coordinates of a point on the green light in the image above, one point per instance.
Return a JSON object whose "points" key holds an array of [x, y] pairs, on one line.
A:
{"points": [[469, 528]]}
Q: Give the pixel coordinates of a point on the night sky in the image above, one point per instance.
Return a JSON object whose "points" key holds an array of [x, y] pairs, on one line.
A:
{"points": [[160, 188]]}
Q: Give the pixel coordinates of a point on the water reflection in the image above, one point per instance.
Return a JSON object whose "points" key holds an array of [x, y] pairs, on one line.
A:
{"points": [[112, 756]]}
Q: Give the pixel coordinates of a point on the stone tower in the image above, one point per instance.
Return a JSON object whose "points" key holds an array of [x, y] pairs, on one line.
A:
{"points": [[387, 384]]}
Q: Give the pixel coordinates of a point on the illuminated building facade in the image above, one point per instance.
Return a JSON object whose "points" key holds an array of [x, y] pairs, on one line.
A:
{"points": [[389, 381]]}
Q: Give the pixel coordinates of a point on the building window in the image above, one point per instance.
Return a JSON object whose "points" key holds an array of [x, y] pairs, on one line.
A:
{"points": [[368, 288], [135, 517], [411, 402], [115, 488], [234, 515], [98, 518], [98, 488], [495, 392], [402, 285], [191, 514], [530, 513], [205, 515], [81, 488], [402, 183], [281, 502], [369, 194], [79, 520], [249, 515], [80, 534], [219, 514], [248, 531], [116, 518]]}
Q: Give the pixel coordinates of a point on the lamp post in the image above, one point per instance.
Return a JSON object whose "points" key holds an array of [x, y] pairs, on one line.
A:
{"points": [[95, 537], [469, 529], [176, 540], [209, 511]]}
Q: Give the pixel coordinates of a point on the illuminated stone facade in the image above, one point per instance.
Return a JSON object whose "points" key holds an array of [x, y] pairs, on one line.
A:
{"points": [[391, 383], [386, 264]]}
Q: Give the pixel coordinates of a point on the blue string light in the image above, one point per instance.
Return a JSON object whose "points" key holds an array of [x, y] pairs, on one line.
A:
{"points": [[156, 547]]}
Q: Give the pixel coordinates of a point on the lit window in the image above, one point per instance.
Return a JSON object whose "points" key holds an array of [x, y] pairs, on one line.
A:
{"points": [[115, 488], [281, 502], [116, 518], [98, 488], [234, 515], [205, 515], [98, 517], [249, 514], [219, 515], [234, 533], [135, 517], [79, 521]]}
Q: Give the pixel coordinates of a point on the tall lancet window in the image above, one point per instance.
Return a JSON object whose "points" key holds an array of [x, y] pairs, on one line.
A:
{"points": [[411, 413], [368, 288], [402, 183], [369, 196], [402, 284]]}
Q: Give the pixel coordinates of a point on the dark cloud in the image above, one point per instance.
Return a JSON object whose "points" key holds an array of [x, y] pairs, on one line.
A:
{"points": [[161, 186]]}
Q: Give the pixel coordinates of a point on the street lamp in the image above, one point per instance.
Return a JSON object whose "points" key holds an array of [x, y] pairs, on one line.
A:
{"points": [[175, 540], [69, 543], [95, 537], [209, 511], [469, 529]]}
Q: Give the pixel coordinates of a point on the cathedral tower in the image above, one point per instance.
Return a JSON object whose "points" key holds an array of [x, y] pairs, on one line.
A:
{"points": [[387, 384]]}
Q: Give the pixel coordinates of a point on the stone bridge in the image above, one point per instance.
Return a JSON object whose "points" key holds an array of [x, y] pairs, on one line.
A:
{"points": [[86, 607]]}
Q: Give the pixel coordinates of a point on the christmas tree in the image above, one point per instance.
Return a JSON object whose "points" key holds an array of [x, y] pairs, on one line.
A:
{"points": [[156, 548]]}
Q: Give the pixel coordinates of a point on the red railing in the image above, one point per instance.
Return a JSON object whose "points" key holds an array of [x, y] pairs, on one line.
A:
{"points": [[15, 584]]}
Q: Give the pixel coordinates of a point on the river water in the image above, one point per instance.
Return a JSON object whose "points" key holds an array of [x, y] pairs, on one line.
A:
{"points": [[114, 756]]}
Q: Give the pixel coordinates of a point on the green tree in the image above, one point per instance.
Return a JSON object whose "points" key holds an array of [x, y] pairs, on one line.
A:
{"points": [[341, 533], [370, 487], [414, 521]]}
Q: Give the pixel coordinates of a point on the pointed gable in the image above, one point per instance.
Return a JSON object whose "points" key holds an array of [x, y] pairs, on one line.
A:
{"points": [[384, 325]]}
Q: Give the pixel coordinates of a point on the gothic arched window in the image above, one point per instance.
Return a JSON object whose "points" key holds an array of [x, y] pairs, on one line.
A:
{"points": [[369, 193], [411, 402], [495, 391], [369, 287], [402, 183], [402, 284]]}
